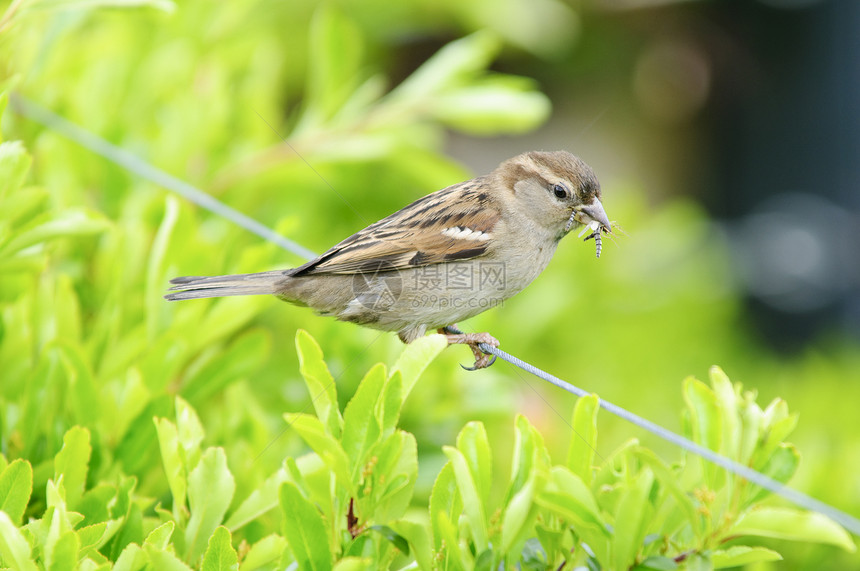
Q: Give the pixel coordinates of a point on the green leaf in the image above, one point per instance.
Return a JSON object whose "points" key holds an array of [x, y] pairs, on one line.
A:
{"points": [[329, 450], [72, 463], [335, 55], [124, 507], [64, 555], [706, 423], [706, 415], [160, 536], [533, 556], [321, 385], [581, 507], [364, 545], [304, 530], [258, 502], [475, 446], [698, 562], [397, 540], [390, 402], [94, 536], [21, 207], [220, 555], [58, 519], [14, 165], [631, 520], [549, 541], [155, 306], [567, 496], [455, 557], [263, 553], [416, 357], [132, 558], [394, 475], [356, 564], [361, 425], [742, 555], [775, 412], [16, 485], [489, 109], [583, 440], [444, 499], [174, 464], [529, 455], [164, 560], [669, 480], [776, 432], [781, 467], [484, 560], [472, 503], [419, 541], [751, 423], [14, 549], [727, 402], [520, 515], [210, 490], [70, 222], [189, 432], [131, 533], [449, 67], [792, 524], [656, 563]]}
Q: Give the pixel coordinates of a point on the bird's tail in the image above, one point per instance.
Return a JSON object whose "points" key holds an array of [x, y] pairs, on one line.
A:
{"points": [[194, 287]]}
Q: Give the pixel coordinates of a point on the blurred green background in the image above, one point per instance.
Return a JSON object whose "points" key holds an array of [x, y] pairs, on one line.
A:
{"points": [[724, 134]]}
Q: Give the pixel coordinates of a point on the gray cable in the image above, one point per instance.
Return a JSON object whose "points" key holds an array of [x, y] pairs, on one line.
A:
{"points": [[846, 520], [159, 177]]}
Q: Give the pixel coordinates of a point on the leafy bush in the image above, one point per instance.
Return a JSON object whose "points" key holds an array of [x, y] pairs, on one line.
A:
{"points": [[345, 505]]}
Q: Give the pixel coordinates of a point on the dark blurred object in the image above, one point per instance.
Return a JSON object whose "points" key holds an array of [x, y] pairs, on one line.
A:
{"points": [[797, 258], [754, 108], [787, 164]]}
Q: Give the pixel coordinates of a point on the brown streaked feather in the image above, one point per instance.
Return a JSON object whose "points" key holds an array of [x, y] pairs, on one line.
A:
{"points": [[402, 240]]}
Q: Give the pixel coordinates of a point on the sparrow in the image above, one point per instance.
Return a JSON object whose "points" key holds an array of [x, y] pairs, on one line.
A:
{"points": [[446, 257]]}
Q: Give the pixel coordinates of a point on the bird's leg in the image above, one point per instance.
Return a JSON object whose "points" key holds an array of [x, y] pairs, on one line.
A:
{"points": [[473, 340]]}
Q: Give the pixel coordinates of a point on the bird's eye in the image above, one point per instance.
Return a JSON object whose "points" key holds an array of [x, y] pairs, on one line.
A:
{"points": [[559, 191]]}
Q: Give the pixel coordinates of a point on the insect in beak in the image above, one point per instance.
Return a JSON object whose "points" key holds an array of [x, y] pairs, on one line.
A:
{"points": [[596, 228], [570, 221], [594, 218]]}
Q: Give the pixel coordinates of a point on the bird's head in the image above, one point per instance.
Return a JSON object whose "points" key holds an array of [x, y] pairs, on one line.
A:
{"points": [[556, 190]]}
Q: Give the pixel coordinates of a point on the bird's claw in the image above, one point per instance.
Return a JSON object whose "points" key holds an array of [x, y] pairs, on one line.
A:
{"points": [[474, 341], [480, 363]]}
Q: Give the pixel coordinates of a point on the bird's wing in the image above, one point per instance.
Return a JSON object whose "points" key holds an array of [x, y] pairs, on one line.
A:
{"points": [[455, 223]]}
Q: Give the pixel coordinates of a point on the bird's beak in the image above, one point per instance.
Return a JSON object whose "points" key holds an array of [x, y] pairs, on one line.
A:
{"points": [[593, 213]]}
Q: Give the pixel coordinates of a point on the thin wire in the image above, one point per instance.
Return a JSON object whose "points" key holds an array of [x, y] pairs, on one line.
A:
{"points": [[146, 171], [142, 169], [846, 520]]}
